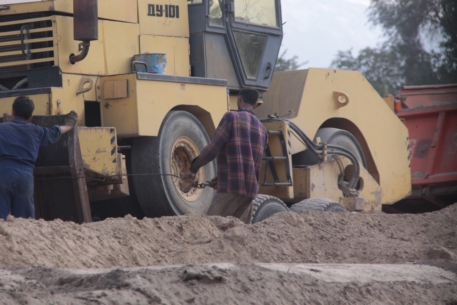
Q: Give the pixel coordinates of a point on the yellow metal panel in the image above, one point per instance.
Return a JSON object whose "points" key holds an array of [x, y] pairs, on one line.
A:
{"points": [[39, 30], [21, 8], [121, 113], [176, 48], [115, 89], [99, 150], [110, 54], [121, 42], [31, 51], [148, 102], [41, 102], [122, 10], [157, 98], [26, 62], [384, 133], [161, 17], [12, 43]]}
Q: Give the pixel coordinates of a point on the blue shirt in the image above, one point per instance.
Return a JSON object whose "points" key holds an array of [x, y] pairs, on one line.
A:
{"points": [[21, 141]]}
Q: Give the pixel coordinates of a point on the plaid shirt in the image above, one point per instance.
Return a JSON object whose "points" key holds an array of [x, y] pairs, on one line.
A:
{"points": [[239, 140]]}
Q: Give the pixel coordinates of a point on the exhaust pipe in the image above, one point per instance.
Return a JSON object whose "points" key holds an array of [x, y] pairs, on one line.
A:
{"points": [[85, 23]]}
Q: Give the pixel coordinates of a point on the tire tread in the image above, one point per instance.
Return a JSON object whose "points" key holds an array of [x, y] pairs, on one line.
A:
{"points": [[317, 204], [261, 201]]}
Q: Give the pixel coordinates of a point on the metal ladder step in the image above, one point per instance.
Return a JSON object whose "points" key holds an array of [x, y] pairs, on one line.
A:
{"points": [[270, 162]]}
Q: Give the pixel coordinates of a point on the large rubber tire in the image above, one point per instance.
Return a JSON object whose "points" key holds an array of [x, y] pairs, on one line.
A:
{"points": [[317, 204], [181, 138], [338, 137], [265, 206]]}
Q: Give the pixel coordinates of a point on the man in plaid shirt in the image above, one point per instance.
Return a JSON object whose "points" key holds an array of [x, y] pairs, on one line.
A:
{"points": [[239, 142]]}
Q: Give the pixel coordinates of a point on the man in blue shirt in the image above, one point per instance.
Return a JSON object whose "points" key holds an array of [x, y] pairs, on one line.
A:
{"points": [[20, 142]]}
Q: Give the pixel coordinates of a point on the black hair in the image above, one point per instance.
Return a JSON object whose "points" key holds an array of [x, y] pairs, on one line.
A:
{"points": [[249, 96], [23, 107]]}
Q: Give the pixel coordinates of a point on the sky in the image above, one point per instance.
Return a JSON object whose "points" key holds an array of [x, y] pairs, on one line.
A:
{"points": [[315, 30]]}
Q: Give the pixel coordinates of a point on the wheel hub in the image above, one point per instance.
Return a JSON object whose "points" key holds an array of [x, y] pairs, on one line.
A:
{"points": [[183, 152]]}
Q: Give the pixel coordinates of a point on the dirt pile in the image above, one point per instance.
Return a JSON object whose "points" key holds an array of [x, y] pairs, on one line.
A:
{"points": [[309, 237], [186, 254], [220, 284]]}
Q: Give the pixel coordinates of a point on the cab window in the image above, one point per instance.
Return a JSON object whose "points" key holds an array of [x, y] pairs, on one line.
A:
{"points": [[215, 12], [261, 12]]}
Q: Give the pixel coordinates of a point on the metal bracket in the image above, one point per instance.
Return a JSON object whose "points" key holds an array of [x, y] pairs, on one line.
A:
{"points": [[341, 98], [82, 88], [25, 47], [353, 203]]}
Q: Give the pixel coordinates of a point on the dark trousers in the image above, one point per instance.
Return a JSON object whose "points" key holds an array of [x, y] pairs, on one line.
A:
{"points": [[227, 204], [16, 193]]}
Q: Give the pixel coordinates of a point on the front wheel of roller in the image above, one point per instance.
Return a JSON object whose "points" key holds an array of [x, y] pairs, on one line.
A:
{"points": [[156, 161]]}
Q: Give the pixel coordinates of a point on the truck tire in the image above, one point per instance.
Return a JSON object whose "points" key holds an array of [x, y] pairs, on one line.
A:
{"points": [[317, 204], [338, 137], [154, 159], [264, 206]]}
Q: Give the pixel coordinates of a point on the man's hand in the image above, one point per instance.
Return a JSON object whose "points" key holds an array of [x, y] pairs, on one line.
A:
{"points": [[7, 117], [213, 183], [189, 176], [71, 119]]}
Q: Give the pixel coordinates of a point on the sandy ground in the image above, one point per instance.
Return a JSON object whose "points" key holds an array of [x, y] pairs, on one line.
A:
{"points": [[35, 256]]}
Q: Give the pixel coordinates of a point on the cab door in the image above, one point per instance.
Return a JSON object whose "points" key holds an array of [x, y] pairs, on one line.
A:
{"points": [[254, 34]]}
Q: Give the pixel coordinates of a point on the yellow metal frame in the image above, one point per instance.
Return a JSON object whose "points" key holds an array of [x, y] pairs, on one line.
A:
{"points": [[124, 10], [41, 101], [346, 100]]}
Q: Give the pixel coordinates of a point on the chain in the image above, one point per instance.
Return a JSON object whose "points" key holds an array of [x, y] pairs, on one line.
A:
{"points": [[195, 184]]}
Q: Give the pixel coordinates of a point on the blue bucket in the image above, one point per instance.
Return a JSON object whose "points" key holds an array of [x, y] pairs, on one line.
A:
{"points": [[151, 63]]}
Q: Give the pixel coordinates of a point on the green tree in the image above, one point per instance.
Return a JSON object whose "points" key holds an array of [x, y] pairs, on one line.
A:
{"points": [[421, 45], [283, 64], [380, 66]]}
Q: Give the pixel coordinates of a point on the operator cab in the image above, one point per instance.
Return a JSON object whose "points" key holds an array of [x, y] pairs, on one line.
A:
{"points": [[237, 40]]}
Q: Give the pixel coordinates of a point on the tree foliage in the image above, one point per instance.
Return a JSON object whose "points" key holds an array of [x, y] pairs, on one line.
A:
{"points": [[421, 45], [283, 64]]}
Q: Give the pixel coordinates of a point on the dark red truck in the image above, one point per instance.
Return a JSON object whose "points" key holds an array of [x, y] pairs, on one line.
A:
{"points": [[430, 114]]}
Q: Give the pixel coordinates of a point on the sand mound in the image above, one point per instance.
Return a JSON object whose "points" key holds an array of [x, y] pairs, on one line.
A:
{"points": [[309, 237], [181, 250], [231, 284]]}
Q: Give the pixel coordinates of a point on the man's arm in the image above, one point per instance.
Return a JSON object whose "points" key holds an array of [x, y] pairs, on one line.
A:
{"points": [[65, 128], [52, 134], [220, 138]]}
